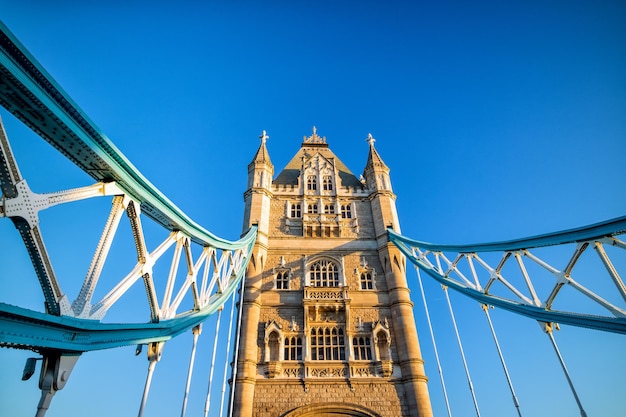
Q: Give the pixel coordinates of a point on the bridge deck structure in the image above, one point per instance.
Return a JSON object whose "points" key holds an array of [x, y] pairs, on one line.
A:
{"points": [[205, 271]]}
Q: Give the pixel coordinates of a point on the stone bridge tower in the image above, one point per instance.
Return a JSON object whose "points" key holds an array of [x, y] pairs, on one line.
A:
{"points": [[327, 322]]}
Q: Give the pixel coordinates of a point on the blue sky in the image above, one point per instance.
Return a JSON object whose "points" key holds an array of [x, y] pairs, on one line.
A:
{"points": [[498, 120]]}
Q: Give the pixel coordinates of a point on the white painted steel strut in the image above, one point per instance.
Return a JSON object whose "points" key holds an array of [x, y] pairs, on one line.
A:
{"points": [[432, 337], [504, 367], [230, 330], [548, 327], [196, 332], [236, 358], [207, 403], [458, 339]]}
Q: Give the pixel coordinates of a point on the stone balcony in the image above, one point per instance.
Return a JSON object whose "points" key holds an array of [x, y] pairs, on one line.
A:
{"points": [[325, 294], [328, 369], [322, 225]]}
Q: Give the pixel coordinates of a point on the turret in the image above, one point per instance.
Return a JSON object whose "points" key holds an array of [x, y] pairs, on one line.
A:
{"points": [[257, 196], [378, 181], [376, 172], [383, 203], [257, 211]]}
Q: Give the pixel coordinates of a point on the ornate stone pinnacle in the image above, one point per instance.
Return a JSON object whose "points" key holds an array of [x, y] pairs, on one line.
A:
{"points": [[314, 138], [370, 139], [264, 137]]}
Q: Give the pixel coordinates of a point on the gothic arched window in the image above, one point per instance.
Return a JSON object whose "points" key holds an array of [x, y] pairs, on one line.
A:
{"points": [[293, 348], [367, 283], [329, 209], [282, 280], [362, 348], [327, 344], [346, 211], [311, 182], [296, 211], [324, 273], [312, 209], [327, 183]]}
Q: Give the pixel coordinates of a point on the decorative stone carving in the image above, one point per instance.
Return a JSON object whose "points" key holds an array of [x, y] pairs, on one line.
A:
{"points": [[385, 368], [327, 372], [362, 371], [273, 369], [314, 138], [292, 371], [324, 294]]}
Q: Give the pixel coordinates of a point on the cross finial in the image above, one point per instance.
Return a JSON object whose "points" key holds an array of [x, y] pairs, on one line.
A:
{"points": [[370, 139], [264, 137]]}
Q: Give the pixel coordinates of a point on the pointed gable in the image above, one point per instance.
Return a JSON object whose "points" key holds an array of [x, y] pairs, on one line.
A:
{"points": [[312, 147]]}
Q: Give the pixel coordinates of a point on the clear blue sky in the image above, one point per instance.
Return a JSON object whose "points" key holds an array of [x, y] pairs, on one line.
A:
{"points": [[498, 120]]}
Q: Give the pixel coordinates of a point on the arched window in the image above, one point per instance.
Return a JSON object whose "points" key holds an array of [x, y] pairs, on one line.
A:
{"points": [[367, 283], [274, 346], [293, 348], [362, 348], [312, 209], [296, 211], [311, 182], [324, 273], [346, 211], [329, 209], [282, 280], [327, 183], [327, 344]]}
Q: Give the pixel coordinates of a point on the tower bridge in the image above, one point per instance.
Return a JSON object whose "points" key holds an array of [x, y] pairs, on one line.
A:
{"points": [[311, 310]]}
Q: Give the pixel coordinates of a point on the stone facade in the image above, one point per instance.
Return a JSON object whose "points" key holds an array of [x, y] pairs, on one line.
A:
{"points": [[327, 323]]}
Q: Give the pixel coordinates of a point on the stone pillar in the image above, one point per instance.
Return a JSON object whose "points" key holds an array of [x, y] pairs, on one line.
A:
{"points": [[245, 379], [405, 332]]}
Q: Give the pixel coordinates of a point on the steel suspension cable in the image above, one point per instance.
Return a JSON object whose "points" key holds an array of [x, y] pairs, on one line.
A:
{"points": [[506, 371], [146, 388], [207, 403], [237, 337], [432, 337], [548, 329], [230, 330], [458, 338], [196, 332]]}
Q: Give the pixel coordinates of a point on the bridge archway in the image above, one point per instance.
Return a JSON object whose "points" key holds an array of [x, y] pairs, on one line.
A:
{"points": [[331, 410]]}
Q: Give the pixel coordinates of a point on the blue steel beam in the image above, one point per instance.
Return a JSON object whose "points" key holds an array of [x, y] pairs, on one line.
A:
{"points": [[581, 234], [32, 95], [26, 329], [593, 232]]}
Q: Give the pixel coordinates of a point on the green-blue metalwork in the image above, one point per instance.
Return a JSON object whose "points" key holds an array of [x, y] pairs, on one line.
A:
{"points": [[593, 232], [32, 95], [26, 329]]}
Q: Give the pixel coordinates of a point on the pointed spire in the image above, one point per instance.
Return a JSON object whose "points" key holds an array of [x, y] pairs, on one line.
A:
{"points": [[262, 156], [374, 159]]}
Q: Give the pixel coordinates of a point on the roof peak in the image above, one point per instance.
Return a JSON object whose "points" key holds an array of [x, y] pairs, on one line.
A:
{"points": [[314, 139]]}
